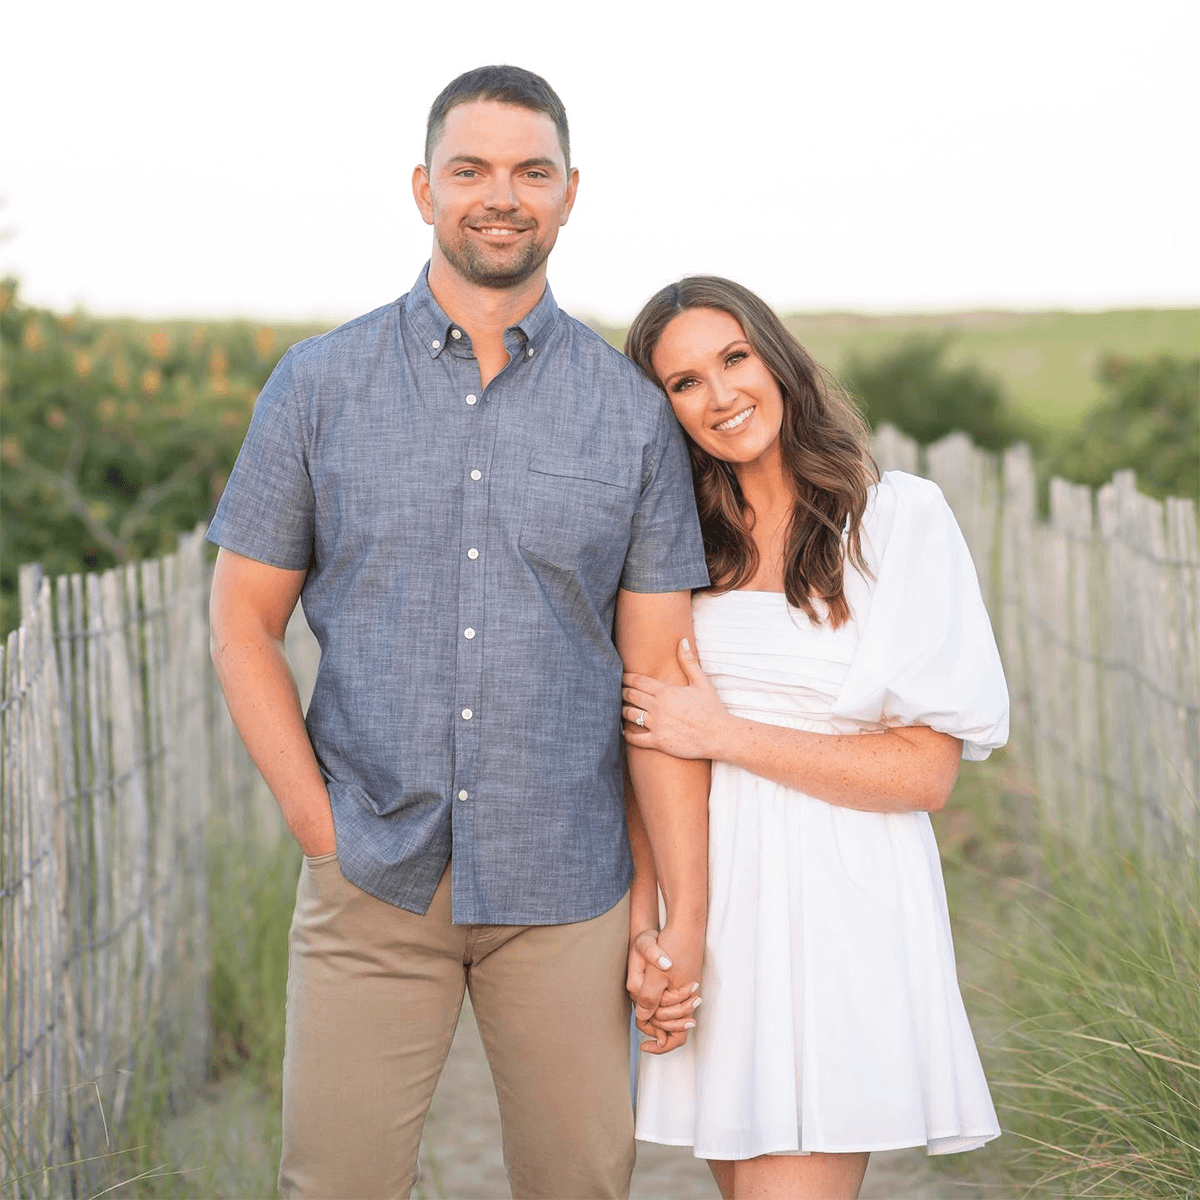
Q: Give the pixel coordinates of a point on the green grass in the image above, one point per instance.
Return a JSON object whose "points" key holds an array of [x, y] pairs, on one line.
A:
{"points": [[1047, 361], [223, 1138], [1081, 971], [220, 1137]]}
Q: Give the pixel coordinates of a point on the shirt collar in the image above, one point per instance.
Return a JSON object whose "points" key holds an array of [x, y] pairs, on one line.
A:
{"points": [[435, 329]]}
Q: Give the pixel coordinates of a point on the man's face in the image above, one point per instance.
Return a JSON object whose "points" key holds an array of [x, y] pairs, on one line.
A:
{"points": [[496, 192]]}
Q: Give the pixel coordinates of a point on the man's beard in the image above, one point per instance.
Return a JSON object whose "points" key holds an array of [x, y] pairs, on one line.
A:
{"points": [[476, 267]]}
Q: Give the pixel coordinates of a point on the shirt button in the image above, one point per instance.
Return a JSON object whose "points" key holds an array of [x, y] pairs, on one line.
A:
{"points": [[472, 553], [463, 794], [456, 334], [529, 352], [468, 634], [436, 344], [476, 474], [467, 714], [472, 399]]}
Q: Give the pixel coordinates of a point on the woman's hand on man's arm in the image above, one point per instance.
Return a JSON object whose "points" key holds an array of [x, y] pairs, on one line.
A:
{"points": [[903, 769]]}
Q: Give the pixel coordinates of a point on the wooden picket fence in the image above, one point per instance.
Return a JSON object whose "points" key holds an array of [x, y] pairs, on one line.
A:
{"points": [[1097, 611], [119, 766], [119, 770]]}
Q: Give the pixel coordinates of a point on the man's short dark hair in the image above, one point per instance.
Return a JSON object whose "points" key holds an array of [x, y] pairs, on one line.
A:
{"points": [[505, 85]]}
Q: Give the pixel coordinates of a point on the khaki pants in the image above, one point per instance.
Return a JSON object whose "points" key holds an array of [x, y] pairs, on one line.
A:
{"points": [[373, 997]]}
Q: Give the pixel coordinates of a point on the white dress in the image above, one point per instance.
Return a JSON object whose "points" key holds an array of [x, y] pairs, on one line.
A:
{"points": [[832, 1019]]}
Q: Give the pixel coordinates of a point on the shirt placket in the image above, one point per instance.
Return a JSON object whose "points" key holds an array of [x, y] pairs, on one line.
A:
{"points": [[471, 631]]}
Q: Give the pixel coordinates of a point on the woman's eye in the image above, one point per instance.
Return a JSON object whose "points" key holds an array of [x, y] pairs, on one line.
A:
{"points": [[736, 357], [682, 385]]}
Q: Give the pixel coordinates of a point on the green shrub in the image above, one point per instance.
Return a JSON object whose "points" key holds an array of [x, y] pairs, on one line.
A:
{"points": [[117, 435], [1147, 420], [913, 387]]}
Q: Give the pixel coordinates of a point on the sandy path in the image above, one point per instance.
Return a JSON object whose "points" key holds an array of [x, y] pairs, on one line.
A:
{"points": [[461, 1157], [228, 1146]]}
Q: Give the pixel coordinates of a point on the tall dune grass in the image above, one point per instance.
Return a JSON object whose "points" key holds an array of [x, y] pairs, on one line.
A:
{"points": [[1081, 970], [220, 1138], [1100, 1075]]}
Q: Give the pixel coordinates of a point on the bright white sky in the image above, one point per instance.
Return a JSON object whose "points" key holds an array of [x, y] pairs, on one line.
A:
{"points": [[254, 158]]}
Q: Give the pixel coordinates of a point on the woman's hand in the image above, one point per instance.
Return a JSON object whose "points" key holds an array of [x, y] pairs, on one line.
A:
{"points": [[661, 1012], [685, 722]]}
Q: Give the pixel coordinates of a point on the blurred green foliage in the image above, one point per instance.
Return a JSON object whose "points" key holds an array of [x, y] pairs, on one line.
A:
{"points": [[1147, 416], [1047, 360], [116, 435], [913, 387], [1147, 420]]}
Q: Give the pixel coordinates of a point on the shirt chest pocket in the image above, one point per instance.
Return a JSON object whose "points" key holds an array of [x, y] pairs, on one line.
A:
{"points": [[577, 515]]}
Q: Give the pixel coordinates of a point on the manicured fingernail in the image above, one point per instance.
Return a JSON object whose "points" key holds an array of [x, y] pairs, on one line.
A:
{"points": [[689, 1024], [696, 1003], [686, 644], [695, 988], [665, 963]]}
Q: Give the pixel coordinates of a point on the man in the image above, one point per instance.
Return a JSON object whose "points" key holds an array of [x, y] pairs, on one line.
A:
{"points": [[487, 511]]}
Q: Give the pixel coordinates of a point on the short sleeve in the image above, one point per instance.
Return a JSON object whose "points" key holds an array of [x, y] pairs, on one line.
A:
{"points": [[267, 509], [926, 654], [666, 551]]}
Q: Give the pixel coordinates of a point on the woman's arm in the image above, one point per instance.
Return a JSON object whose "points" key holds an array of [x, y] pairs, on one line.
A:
{"points": [[898, 770]]}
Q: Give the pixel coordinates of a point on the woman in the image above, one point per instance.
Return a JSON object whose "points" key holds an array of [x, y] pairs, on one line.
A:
{"points": [[841, 604]]}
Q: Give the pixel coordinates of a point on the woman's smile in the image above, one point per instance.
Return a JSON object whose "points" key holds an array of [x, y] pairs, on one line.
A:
{"points": [[736, 422]]}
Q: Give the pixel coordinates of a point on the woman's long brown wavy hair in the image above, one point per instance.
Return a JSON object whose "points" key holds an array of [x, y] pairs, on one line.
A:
{"points": [[825, 444]]}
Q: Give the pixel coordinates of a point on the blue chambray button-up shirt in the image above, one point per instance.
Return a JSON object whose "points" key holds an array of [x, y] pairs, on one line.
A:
{"points": [[464, 546]]}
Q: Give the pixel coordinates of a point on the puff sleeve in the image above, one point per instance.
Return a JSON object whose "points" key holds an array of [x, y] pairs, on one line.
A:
{"points": [[926, 654]]}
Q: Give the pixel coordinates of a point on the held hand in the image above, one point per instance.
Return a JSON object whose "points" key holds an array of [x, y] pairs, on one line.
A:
{"points": [[646, 981], [681, 721], [661, 1012], [665, 999]]}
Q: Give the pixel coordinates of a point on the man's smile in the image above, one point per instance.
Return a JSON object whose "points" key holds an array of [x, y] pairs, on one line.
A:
{"points": [[499, 231]]}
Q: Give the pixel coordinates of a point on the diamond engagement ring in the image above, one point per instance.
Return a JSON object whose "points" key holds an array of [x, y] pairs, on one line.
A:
{"points": [[641, 721]]}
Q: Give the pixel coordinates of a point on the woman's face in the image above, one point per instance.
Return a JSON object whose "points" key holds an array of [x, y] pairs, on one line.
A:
{"points": [[723, 395]]}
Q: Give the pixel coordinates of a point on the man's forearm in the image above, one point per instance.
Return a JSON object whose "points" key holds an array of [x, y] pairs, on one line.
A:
{"points": [[265, 706], [643, 891], [671, 793], [672, 797]]}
